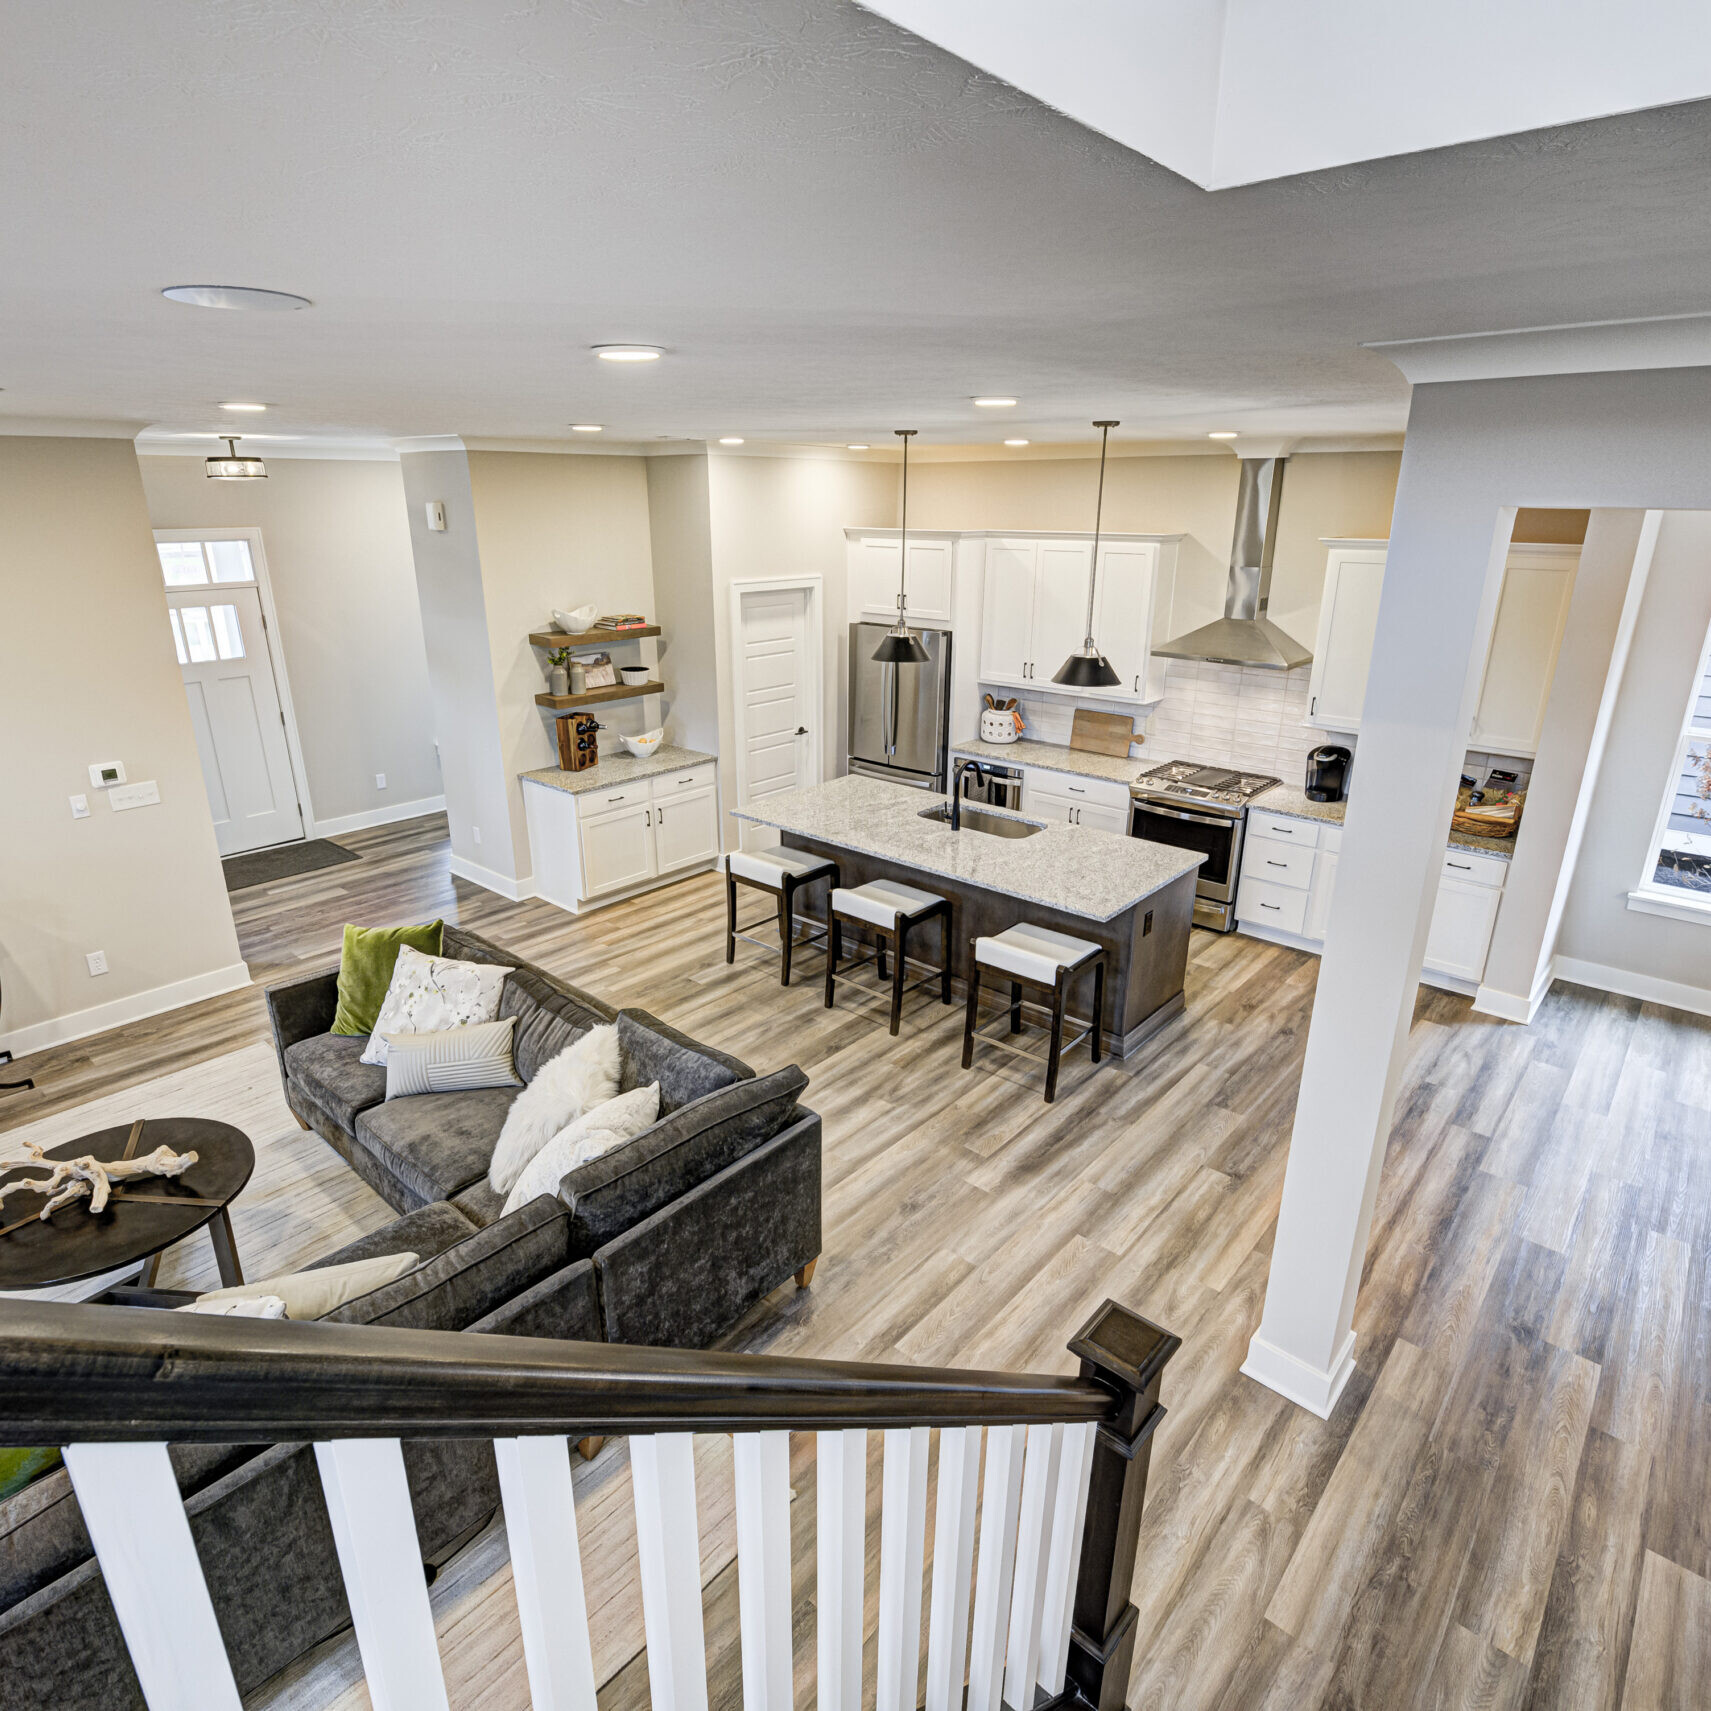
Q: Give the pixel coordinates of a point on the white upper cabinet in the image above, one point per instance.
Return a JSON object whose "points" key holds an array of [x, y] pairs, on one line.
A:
{"points": [[1060, 606], [1008, 616], [1537, 583], [1128, 602], [1348, 616], [873, 570]]}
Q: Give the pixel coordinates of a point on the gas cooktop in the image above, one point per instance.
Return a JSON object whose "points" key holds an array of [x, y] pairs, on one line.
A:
{"points": [[1202, 783]]}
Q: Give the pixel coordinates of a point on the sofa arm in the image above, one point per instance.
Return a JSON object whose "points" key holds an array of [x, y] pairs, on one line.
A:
{"points": [[565, 1305], [301, 1009], [683, 1277]]}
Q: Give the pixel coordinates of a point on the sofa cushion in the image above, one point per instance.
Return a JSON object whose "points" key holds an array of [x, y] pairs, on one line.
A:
{"points": [[327, 1068], [684, 1069], [427, 1231], [437, 1143], [480, 1204], [681, 1151], [548, 1016], [564, 1305], [472, 1277]]}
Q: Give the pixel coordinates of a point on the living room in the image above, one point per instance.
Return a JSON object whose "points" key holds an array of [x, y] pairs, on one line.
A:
{"points": [[1383, 1265]]}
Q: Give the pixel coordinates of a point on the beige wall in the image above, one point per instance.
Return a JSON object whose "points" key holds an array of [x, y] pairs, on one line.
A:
{"points": [[87, 673], [681, 532], [338, 559]]}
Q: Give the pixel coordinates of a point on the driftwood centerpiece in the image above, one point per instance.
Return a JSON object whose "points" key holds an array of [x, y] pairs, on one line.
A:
{"points": [[73, 1179]]}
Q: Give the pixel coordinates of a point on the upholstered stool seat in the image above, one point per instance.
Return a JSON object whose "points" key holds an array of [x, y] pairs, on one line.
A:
{"points": [[1031, 955], [890, 909], [781, 872]]}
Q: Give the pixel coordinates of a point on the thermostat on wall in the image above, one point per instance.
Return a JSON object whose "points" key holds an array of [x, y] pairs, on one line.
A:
{"points": [[107, 772]]}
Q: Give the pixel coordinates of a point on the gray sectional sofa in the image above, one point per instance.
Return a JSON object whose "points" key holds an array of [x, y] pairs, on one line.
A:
{"points": [[668, 1240]]}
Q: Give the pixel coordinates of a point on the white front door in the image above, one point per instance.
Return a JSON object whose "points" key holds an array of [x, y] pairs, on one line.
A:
{"points": [[779, 714], [214, 607]]}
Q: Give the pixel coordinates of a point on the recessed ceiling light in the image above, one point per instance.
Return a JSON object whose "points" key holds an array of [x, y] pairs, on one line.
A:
{"points": [[1015, 442], [730, 440], [1221, 436], [585, 427], [234, 297], [994, 403], [628, 353], [254, 407], [857, 448]]}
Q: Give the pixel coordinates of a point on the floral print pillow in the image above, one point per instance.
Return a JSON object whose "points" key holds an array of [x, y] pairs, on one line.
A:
{"points": [[429, 994]]}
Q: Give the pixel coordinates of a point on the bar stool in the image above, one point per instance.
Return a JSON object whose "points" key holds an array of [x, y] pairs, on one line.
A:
{"points": [[1034, 956], [890, 908], [781, 873]]}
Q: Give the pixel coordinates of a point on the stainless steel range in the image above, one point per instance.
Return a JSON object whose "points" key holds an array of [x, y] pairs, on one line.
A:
{"points": [[1202, 808]]}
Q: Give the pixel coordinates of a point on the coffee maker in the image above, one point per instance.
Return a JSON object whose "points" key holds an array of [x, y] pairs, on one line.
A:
{"points": [[1328, 773]]}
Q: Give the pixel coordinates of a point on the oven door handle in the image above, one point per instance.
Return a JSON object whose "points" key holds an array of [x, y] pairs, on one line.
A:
{"points": [[1177, 814]]}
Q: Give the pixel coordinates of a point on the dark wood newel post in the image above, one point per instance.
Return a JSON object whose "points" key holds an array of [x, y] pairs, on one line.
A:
{"points": [[1127, 1354]]}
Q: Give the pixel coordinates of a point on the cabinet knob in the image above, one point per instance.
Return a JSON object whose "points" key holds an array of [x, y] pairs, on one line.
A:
{"points": [[802, 730]]}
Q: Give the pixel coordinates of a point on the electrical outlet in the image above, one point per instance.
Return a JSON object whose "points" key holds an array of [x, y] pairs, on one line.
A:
{"points": [[80, 807], [380, 781], [475, 833], [97, 961]]}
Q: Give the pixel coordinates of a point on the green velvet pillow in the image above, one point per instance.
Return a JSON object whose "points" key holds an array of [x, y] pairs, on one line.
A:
{"points": [[19, 1467], [365, 970]]}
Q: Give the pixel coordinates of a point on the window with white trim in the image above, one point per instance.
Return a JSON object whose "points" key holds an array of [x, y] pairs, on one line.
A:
{"points": [[1678, 863]]}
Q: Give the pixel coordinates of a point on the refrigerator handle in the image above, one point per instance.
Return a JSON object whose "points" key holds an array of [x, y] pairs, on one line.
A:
{"points": [[888, 709]]}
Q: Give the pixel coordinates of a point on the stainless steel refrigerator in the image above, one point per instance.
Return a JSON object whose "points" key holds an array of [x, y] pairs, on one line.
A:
{"points": [[900, 714]]}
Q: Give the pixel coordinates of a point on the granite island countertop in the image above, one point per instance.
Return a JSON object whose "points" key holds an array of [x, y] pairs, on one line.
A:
{"points": [[619, 769], [1071, 868]]}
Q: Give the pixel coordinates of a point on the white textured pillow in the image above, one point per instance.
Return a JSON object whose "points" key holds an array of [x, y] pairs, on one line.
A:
{"points": [[244, 1307], [451, 1060], [309, 1294], [429, 994], [583, 1075], [593, 1133]]}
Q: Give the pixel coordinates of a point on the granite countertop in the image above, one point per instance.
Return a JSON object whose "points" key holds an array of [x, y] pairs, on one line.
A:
{"points": [[622, 768], [1054, 757], [1072, 868], [1287, 799]]}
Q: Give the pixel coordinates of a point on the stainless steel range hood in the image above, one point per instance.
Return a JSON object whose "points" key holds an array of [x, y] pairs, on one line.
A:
{"points": [[1245, 635]]}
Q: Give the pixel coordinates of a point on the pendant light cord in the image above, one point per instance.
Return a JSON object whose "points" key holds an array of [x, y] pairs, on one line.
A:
{"points": [[905, 435], [1098, 514]]}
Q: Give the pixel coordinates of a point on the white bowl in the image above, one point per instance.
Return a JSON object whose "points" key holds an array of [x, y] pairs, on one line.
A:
{"points": [[645, 744], [577, 622], [634, 674]]}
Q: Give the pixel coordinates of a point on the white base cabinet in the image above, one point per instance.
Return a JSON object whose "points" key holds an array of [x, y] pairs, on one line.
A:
{"points": [[604, 844], [1064, 799]]}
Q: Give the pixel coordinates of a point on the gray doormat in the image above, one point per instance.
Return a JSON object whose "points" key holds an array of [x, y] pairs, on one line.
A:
{"points": [[262, 867]]}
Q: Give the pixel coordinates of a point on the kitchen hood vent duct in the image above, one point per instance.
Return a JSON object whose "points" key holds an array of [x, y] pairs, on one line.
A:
{"points": [[1245, 635]]}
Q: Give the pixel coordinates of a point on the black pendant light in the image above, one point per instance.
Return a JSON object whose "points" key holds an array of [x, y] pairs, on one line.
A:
{"points": [[900, 645], [1087, 667]]}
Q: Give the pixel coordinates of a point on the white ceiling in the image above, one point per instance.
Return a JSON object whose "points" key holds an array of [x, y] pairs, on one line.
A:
{"points": [[833, 227]]}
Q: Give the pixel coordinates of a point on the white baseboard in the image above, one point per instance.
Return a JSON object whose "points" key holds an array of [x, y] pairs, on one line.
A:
{"points": [[98, 1018], [380, 816], [1675, 993], [1511, 1006], [1307, 1386], [489, 879]]}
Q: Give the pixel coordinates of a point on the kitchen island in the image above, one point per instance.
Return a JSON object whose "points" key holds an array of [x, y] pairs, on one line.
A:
{"points": [[1133, 897]]}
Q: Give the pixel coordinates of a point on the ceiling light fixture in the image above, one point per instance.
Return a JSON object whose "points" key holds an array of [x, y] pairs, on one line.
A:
{"points": [[994, 403], [730, 440], [234, 466], [1087, 667], [1222, 435], [900, 645], [862, 447], [628, 353], [234, 297], [1015, 442], [586, 428], [248, 407]]}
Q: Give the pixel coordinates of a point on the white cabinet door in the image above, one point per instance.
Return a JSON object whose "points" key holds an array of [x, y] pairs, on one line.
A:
{"points": [[1320, 893], [1537, 583], [874, 576], [1461, 928], [1060, 606], [931, 580], [1009, 613], [1102, 818], [873, 579], [1052, 806], [1128, 575], [1348, 616], [617, 849], [686, 829]]}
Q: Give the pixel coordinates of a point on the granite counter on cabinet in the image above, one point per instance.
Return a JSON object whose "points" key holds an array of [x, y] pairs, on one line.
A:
{"points": [[1054, 757], [1287, 799], [617, 769]]}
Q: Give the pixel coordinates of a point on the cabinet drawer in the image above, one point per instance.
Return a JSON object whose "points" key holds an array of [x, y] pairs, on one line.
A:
{"points": [[669, 784], [1270, 905], [1474, 869], [1304, 834], [618, 796], [1277, 863], [1070, 788]]}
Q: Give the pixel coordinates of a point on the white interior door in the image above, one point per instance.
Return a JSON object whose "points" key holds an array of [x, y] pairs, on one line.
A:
{"points": [[214, 607], [778, 694]]}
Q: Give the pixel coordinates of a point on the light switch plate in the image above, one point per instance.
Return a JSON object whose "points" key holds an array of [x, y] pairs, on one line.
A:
{"points": [[436, 509], [105, 773], [134, 795], [80, 807]]}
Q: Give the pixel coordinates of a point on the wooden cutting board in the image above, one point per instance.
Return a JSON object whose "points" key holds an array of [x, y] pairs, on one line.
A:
{"points": [[1101, 733]]}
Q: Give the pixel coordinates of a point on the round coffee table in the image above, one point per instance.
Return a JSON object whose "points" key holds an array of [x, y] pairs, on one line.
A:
{"points": [[144, 1215]]}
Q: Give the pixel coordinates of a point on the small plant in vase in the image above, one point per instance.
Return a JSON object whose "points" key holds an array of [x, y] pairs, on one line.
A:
{"points": [[558, 679]]}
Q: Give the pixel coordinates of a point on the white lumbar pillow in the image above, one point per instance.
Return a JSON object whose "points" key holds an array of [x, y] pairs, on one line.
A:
{"points": [[309, 1294], [592, 1134], [429, 994], [244, 1307], [583, 1075]]}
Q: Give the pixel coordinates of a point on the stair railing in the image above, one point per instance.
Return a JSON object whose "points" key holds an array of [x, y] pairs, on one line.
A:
{"points": [[1058, 1509]]}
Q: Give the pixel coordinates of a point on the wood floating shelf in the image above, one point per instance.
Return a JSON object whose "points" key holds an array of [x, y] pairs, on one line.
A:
{"points": [[617, 692], [589, 638]]}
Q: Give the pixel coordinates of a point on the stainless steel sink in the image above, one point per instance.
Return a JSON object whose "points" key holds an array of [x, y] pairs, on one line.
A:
{"points": [[978, 820]]}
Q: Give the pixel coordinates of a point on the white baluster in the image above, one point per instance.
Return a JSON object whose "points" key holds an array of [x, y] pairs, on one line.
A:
{"points": [[368, 1502], [1074, 1472], [763, 1568], [1000, 1501], [902, 1550], [1033, 1547], [840, 1525], [668, 1538], [546, 1570], [136, 1520], [953, 1564]]}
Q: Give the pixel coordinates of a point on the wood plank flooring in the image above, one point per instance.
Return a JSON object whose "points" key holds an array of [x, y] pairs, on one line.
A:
{"points": [[1511, 1506]]}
